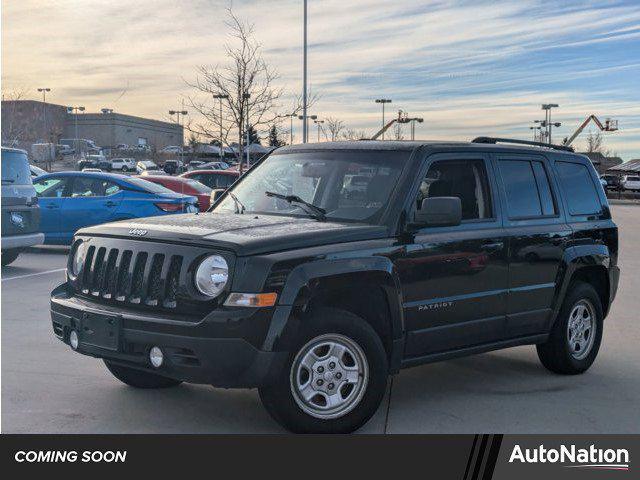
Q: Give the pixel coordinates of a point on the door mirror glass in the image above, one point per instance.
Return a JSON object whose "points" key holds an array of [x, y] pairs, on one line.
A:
{"points": [[439, 212]]}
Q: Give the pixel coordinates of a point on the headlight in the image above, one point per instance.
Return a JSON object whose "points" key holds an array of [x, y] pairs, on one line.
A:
{"points": [[78, 258], [212, 275]]}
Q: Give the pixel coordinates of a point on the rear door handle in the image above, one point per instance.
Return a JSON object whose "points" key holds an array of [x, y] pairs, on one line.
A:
{"points": [[110, 204], [51, 207]]}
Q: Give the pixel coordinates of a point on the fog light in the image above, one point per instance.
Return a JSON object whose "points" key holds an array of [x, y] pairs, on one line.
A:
{"points": [[156, 357], [73, 339]]}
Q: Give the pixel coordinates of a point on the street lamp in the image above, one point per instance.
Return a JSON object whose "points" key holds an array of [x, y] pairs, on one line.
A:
{"points": [[383, 101], [246, 96], [220, 96], [177, 113], [318, 122], [413, 126], [305, 133], [44, 109], [76, 110], [547, 117]]}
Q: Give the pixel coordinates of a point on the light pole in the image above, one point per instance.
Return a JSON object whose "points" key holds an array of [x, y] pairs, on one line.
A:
{"points": [[413, 126], [305, 133], [291, 129], [177, 113], [246, 96], [547, 117], [383, 101], [318, 122], [44, 110], [220, 96], [76, 110]]}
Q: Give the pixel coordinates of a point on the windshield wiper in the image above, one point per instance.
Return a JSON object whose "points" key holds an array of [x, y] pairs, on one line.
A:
{"points": [[240, 208], [316, 212]]}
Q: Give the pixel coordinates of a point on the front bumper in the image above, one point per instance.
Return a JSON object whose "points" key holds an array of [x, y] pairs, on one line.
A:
{"points": [[22, 241], [191, 353]]}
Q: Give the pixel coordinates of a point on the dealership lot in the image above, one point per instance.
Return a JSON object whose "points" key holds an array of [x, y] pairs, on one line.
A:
{"points": [[46, 388]]}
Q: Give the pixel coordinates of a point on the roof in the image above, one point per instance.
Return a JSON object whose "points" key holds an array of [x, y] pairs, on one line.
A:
{"points": [[11, 149], [403, 145], [630, 166], [73, 173], [210, 172]]}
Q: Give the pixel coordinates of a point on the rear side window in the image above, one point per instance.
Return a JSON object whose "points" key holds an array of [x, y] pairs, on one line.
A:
{"points": [[527, 188], [579, 189]]}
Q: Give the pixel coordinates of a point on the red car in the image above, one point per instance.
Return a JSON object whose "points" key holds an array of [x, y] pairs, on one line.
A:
{"points": [[213, 178], [188, 186]]}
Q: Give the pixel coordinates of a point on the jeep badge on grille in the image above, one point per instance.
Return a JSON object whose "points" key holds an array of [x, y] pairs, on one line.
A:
{"points": [[138, 232]]}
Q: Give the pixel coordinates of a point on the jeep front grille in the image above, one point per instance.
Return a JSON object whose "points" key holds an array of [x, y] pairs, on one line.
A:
{"points": [[135, 277]]}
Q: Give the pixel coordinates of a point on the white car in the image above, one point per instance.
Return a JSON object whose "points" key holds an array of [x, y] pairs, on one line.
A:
{"points": [[123, 164], [631, 182], [144, 165]]}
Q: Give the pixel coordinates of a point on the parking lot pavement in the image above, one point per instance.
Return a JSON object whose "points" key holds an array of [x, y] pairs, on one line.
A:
{"points": [[46, 388]]}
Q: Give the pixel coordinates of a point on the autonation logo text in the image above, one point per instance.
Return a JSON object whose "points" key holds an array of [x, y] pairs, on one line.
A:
{"points": [[590, 458]]}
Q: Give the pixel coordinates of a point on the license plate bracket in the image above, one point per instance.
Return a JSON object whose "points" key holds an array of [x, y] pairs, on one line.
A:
{"points": [[102, 331]]}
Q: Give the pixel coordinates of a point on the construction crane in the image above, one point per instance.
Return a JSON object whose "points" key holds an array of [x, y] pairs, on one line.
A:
{"points": [[609, 126], [402, 118]]}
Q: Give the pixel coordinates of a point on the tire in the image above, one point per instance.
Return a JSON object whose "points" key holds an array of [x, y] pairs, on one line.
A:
{"points": [[556, 354], [9, 256], [138, 378], [125, 169], [364, 364]]}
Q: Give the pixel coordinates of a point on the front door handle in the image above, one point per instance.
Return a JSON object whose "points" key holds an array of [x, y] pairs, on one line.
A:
{"points": [[110, 204], [51, 207], [492, 246]]}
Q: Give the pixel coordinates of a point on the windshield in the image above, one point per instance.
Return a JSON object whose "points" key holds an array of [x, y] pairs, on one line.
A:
{"points": [[324, 179], [148, 186], [15, 168]]}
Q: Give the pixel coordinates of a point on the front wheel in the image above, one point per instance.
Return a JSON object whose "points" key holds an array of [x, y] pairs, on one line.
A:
{"points": [[334, 379], [138, 378], [575, 338], [125, 169]]}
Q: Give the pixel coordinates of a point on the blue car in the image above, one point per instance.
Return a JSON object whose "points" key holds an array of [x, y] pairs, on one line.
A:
{"points": [[73, 200]]}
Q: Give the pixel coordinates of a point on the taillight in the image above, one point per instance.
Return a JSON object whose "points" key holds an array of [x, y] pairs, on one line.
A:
{"points": [[170, 207]]}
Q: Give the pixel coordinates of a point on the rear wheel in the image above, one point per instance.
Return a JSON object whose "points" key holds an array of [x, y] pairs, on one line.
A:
{"points": [[9, 256], [124, 168], [139, 378], [335, 379], [576, 335]]}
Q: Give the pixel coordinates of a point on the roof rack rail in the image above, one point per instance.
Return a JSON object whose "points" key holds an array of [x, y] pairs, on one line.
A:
{"points": [[494, 140]]}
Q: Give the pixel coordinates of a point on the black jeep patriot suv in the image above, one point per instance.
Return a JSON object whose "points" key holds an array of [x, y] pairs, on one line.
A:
{"points": [[329, 266]]}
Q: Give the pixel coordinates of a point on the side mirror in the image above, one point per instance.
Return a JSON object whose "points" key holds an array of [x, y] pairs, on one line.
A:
{"points": [[439, 212], [216, 193]]}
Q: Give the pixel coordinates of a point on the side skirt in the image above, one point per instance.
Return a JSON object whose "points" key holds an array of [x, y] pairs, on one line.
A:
{"points": [[463, 352]]}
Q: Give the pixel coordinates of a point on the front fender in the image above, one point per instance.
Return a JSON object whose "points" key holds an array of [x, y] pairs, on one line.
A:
{"points": [[303, 276]]}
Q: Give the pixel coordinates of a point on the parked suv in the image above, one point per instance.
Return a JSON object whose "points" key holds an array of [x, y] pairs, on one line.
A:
{"points": [[296, 285], [20, 210], [631, 183]]}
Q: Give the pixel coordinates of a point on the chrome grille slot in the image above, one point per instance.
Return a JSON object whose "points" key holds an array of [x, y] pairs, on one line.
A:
{"points": [[98, 271], [86, 272], [173, 279], [109, 285], [154, 280], [123, 280], [137, 280]]}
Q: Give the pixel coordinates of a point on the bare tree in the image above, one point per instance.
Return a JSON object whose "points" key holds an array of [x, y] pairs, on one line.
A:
{"points": [[14, 132], [351, 134], [595, 144], [246, 84], [334, 127]]}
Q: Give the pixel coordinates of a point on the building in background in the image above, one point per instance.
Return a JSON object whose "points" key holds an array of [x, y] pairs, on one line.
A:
{"points": [[25, 122], [601, 162]]}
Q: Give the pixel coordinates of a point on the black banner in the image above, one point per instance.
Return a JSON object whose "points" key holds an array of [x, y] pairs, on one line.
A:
{"points": [[459, 457]]}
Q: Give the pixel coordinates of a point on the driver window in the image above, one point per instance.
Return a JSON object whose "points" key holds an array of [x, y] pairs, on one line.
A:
{"points": [[465, 179], [87, 187]]}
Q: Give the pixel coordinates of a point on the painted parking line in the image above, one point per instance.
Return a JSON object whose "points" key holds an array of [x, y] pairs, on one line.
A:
{"points": [[17, 277]]}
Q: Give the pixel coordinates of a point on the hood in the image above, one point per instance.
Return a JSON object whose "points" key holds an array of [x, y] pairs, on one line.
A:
{"points": [[247, 234]]}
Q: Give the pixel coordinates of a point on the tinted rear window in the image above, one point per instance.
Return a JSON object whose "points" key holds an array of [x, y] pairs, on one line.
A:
{"points": [[579, 189], [522, 191], [15, 168]]}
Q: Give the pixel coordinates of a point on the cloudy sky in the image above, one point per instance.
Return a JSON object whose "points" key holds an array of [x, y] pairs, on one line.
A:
{"points": [[468, 67]]}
